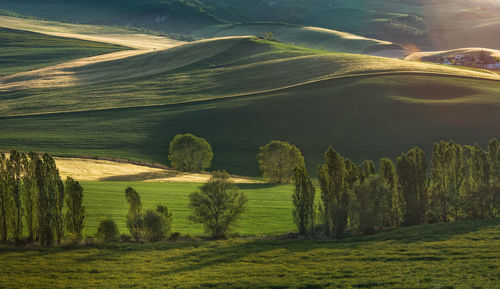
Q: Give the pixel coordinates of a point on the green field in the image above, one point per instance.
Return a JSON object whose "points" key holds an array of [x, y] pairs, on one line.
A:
{"points": [[22, 51], [363, 118], [269, 207], [456, 255]]}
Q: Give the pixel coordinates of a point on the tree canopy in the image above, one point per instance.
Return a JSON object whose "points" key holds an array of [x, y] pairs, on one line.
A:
{"points": [[278, 160], [189, 153]]}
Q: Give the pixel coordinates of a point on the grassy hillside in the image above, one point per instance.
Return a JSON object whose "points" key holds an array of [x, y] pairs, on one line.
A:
{"points": [[202, 70], [22, 51], [269, 207], [363, 118], [422, 24], [122, 36], [466, 254], [312, 37], [177, 16]]}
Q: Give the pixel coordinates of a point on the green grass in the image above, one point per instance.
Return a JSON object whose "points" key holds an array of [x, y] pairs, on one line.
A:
{"points": [[457, 255], [22, 51], [363, 118], [269, 207]]}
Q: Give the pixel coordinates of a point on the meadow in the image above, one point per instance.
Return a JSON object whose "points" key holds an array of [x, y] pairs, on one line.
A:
{"points": [[456, 255], [269, 208]]}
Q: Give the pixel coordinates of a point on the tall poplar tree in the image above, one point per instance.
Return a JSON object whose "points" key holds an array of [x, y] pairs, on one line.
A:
{"points": [[16, 208], [4, 197], [75, 213], [447, 174], [44, 232], [389, 175], [412, 180], [303, 200], [334, 192], [30, 192], [135, 221], [55, 193]]}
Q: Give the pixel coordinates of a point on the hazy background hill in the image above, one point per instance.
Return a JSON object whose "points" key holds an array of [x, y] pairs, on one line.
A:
{"points": [[417, 24]]}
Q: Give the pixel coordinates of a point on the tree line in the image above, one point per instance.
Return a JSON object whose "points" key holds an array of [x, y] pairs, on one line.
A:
{"points": [[33, 199], [460, 182]]}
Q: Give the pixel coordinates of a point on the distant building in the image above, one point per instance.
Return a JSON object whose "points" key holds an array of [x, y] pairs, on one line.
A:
{"points": [[493, 65]]}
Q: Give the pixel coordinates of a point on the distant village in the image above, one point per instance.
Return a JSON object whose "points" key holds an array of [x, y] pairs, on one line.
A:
{"points": [[483, 60]]}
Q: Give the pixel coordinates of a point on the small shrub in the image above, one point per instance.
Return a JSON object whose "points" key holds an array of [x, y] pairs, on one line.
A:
{"points": [[125, 238], [107, 231]]}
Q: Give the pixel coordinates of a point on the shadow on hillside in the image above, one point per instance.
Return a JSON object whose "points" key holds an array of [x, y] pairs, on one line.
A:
{"points": [[144, 176]]}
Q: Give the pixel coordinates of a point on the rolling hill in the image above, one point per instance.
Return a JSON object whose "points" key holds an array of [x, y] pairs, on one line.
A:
{"points": [[202, 70], [416, 24], [239, 93], [312, 37]]}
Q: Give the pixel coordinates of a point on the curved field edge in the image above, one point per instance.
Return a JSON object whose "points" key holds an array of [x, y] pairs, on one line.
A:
{"points": [[465, 252]]}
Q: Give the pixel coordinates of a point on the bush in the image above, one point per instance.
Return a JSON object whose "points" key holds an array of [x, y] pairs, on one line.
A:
{"points": [[107, 231], [278, 160], [157, 223], [189, 153]]}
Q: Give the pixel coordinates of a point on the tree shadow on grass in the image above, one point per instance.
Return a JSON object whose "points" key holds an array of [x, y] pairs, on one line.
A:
{"points": [[432, 232], [256, 186], [209, 253]]}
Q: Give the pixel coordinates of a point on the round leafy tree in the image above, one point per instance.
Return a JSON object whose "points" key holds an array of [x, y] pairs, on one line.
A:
{"points": [[189, 153], [278, 160]]}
